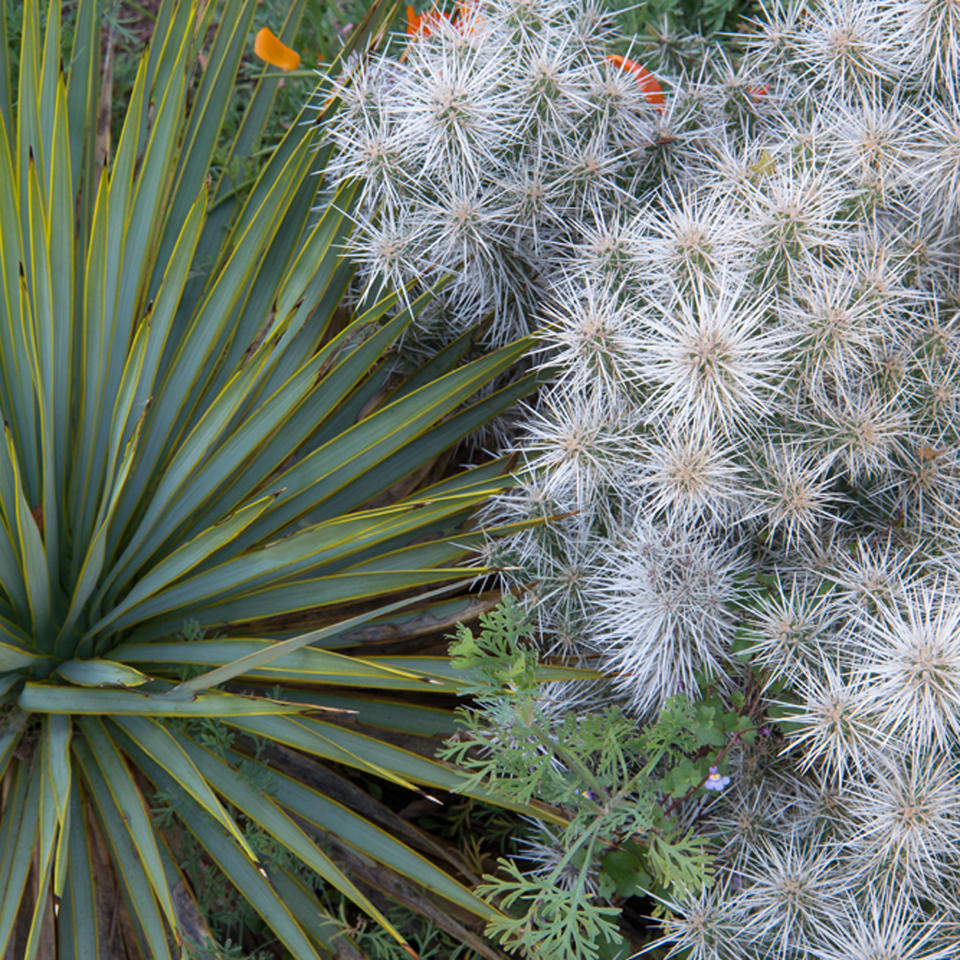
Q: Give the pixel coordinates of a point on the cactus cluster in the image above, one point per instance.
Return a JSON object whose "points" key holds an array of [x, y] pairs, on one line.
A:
{"points": [[744, 268]]}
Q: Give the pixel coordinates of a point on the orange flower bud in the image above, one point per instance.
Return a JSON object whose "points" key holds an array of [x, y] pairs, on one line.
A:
{"points": [[274, 51]]}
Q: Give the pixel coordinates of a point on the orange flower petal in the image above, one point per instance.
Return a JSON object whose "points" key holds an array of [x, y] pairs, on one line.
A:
{"points": [[645, 79], [467, 18], [424, 24], [413, 22], [274, 51]]}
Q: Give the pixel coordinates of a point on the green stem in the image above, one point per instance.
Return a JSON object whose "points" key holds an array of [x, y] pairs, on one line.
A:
{"points": [[568, 757]]}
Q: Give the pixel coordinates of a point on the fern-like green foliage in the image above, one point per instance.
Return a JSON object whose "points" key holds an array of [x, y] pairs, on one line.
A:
{"points": [[619, 785], [194, 432]]}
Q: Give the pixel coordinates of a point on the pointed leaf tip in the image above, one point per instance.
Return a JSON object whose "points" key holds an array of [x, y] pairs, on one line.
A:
{"points": [[269, 48]]}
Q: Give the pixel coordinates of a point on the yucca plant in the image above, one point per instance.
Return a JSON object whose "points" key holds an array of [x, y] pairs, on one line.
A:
{"points": [[194, 433]]}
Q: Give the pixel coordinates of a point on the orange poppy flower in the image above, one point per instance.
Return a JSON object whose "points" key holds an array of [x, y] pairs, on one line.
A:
{"points": [[274, 51], [646, 80]]}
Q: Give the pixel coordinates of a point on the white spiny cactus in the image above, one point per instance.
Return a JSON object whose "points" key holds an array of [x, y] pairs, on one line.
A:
{"points": [[747, 282]]}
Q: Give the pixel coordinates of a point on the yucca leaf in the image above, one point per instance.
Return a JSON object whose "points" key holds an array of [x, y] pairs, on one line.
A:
{"points": [[309, 594], [228, 225], [268, 816], [229, 285], [331, 817], [348, 364], [53, 698], [57, 732], [327, 933], [260, 296], [243, 441], [176, 22], [92, 564], [332, 750], [38, 319], [58, 768], [330, 742], [327, 743], [290, 558], [439, 672], [184, 559], [5, 104], [83, 486], [123, 405], [265, 656], [169, 293], [17, 783], [47, 88], [210, 103], [8, 687], [62, 855], [442, 362], [319, 257], [427, 446], [28, 103], [439, 552], [32, 554], [119, 316], [165, 372], [442, 669], [41, 923], [490, 475], [13, 656], [17, 380], [127, 828], [22, 815], [343, 459], [236, 866], [396, 715], [77, 927], [306, 664], [320, 299], [60, 247], [82, 96], [14, 725], [258, 107], [167, 750], [131, 221], [100, 673], [174, 396], [118, 367], [148, 207], [193, 451], [11, 579]]}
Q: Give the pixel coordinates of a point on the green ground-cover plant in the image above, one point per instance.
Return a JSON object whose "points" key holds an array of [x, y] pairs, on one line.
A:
{"points": [[622, 784], [194, 431]]}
